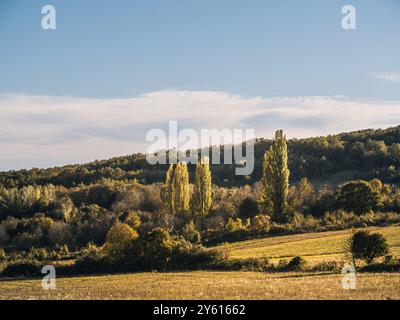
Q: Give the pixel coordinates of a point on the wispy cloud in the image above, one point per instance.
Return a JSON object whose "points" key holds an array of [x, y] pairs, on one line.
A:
{"points": [[388, 76], [46, 130]]}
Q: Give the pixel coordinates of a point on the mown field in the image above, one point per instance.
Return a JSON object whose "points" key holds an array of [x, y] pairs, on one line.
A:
{"points": [[314, 247], [208, 285]]}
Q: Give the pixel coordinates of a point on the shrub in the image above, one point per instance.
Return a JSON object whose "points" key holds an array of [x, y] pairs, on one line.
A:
{"points": [[332, 265], [20, 268], [91, 260], [191, 234], [248, 208], [339, 219], [295, 264], [133, 220], [237, 225], [38, 254], [260, 224], [157, 247], [365, 246], [303, 223]]}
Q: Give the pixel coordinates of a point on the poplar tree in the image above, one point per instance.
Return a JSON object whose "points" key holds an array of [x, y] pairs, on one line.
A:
{"points": [[180, 188], [202, 190], [275, 180], [169, 199]]}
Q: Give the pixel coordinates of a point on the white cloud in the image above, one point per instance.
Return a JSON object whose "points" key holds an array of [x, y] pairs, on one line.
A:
{"points": [[388, 76], [46, 131]]}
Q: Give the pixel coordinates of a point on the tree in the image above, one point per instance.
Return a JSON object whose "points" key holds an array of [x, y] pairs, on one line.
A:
{"points": [[180, 188], [301, 197], [169, 188], [119, 241], [358, 196], [248, 208], [202, 191], [365, 246], [157, 248], [275, 180]]}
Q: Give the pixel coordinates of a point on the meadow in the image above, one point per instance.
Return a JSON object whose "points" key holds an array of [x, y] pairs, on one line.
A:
{"points": [[208, 285], [314, 247]]}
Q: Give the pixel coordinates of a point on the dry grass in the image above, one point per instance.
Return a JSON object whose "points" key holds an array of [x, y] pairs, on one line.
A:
{"points": [[314, 247], [208, 285]]}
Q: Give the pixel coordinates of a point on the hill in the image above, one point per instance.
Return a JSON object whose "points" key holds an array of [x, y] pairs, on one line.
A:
{"points": [[314, 247], [332, 159]]}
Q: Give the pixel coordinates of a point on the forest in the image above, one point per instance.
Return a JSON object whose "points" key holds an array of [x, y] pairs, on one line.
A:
{"points": [[365, 154]]}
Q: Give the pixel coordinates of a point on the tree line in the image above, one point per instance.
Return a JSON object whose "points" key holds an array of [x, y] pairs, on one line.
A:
{"points": [[365, 154]]}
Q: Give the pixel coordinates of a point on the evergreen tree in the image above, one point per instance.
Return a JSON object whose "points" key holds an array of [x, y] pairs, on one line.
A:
{"points": [[180, 188], [275, 181], [169, 187], [202, 191]]}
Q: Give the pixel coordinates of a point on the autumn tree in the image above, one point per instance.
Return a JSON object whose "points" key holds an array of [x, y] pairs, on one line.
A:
{"points": [[180, 189], [202, 191], [120, 240], [275, 180], [169, 199]]}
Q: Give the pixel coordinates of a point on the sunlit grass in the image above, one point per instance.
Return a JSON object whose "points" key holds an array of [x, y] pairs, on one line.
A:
{"points": [[314, 247], [208, 285]]}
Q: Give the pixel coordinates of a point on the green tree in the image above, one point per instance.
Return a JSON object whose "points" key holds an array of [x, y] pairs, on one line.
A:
{"points": [[180, 188], [248, 208], [169, 189], [358, 196], [202, 191], [275, 180], [157, 248], [365, 246]]}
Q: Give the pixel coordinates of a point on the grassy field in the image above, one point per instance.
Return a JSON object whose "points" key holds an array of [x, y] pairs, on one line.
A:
{"points": [[314, 247], [208, 285]]}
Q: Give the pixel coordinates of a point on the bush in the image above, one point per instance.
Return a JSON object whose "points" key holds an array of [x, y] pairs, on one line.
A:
{"points": [[365, 246], [237, 225], [296, 264], [248, 208], [303, 223], [23, 268], [191, 234], [157, 247], [326, 266], [260, 224], [339, 219], [91, 260]]}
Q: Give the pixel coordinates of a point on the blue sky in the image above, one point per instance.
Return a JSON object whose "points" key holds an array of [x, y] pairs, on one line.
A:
{"points": [[228, 50], [257, 47]]}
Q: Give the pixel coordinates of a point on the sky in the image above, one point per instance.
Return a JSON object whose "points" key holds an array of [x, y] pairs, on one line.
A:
{"points": [[113, 70]]}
